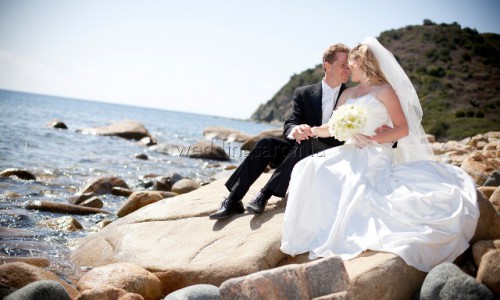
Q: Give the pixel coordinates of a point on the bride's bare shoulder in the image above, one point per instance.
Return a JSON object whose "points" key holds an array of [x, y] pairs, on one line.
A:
{"points": [[384, 88], [385, 91]]}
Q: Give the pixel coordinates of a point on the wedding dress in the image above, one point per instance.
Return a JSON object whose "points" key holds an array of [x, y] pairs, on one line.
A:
{"points": [[347, 199]]}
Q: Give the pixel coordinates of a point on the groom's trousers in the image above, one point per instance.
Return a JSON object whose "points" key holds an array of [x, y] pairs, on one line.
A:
{"points": [[276, 152]]}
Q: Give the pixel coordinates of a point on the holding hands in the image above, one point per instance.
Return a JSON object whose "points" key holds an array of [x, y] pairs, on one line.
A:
{"points": [[302, 132]]}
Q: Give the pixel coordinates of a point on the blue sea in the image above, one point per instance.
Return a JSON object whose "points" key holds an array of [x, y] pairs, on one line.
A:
{"points": [[65, 160]]}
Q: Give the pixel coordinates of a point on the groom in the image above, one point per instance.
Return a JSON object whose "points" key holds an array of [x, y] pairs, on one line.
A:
{"points": [[312, 106]]}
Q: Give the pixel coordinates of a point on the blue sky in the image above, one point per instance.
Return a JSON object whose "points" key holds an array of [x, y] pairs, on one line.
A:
{"points": [[215, 57]]}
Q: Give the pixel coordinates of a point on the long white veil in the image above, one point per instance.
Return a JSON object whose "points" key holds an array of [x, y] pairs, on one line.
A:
{"points": [[415, 146]]}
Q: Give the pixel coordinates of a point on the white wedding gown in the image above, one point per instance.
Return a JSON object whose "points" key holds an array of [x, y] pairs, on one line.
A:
{"points": [[346, 200]]}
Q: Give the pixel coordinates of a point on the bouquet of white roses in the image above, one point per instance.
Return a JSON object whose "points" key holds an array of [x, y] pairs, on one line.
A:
{"points": [[347, 121]]}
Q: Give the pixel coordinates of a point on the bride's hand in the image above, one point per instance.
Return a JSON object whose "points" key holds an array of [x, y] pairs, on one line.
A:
{"points": [[361, 140], [382, 129]]}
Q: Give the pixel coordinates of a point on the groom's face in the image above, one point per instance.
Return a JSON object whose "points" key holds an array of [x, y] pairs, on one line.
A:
{"points": [[339, 69]]}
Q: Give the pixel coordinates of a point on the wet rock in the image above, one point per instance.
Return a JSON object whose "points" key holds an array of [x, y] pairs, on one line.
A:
{"points": [[250, 143], [18, 216], [141, 156], [65, 223], [103, 185], [19, 173], [140, 199], [222, 133], [6, 232], [207, 151], [147, 141], [109, 293], [489, 271], [230, 167], [196, 292], [79, 198], [119, 191], [63, 208], [27, 247], [185, 186], [176, 177], [57, 124], [147, 178], [169, 149], [447, 281], [130, 277], [105, 222], [92, 202], [41, 262], [20, 274], [127, 129], [40, 290], [211, 165], [11, 195], [162, 183]]}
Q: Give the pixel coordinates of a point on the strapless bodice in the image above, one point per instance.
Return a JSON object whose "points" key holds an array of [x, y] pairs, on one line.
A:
{"points": [[377, 114]]}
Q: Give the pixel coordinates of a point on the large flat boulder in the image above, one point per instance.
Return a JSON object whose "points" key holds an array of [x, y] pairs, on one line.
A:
{"points": [[175, 239]]}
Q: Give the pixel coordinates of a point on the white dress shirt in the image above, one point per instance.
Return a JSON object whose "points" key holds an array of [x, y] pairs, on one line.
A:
{"points": [[328, 101]]}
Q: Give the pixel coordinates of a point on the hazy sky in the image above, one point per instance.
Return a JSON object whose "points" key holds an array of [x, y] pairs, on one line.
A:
{"points": [[212, 57]]}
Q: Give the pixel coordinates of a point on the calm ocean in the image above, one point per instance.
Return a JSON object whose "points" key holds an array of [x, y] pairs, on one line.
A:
{"points": [[64, 160]]}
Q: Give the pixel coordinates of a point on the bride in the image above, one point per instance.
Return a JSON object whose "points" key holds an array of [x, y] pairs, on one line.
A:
{"points": [[368, 195]]}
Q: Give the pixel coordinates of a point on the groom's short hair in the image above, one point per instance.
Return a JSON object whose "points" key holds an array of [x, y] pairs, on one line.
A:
{"points": [[330, 53]]}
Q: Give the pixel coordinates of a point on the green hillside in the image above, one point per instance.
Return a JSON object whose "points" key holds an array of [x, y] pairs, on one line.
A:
{"points": [[456, 72]]}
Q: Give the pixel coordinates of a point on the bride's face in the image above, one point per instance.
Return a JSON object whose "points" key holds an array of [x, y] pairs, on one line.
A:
{"points": [[356, 71]]}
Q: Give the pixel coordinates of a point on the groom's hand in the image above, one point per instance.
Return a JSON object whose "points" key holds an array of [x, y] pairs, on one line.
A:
{"points": [[301, 132]]}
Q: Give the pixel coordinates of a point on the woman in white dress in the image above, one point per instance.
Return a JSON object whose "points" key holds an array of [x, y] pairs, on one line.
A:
{"points": [[368, 195]]}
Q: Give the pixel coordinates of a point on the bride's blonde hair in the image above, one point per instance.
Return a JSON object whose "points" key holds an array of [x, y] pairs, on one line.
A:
{"points": [[368, 63]]}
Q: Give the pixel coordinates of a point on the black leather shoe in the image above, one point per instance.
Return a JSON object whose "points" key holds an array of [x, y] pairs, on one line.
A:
{"points": [[227, 208], [258, 203]]}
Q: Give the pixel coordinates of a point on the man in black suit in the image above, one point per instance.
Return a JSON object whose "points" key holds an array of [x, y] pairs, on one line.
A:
{"points": [[312, 106]]}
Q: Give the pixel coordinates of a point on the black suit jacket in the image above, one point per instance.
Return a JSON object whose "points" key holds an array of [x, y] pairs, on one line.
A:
{"points": [[306, 109]]}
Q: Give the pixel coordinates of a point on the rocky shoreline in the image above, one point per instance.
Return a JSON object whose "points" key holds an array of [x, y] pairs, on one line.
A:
{"points": [[163, 246]]}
